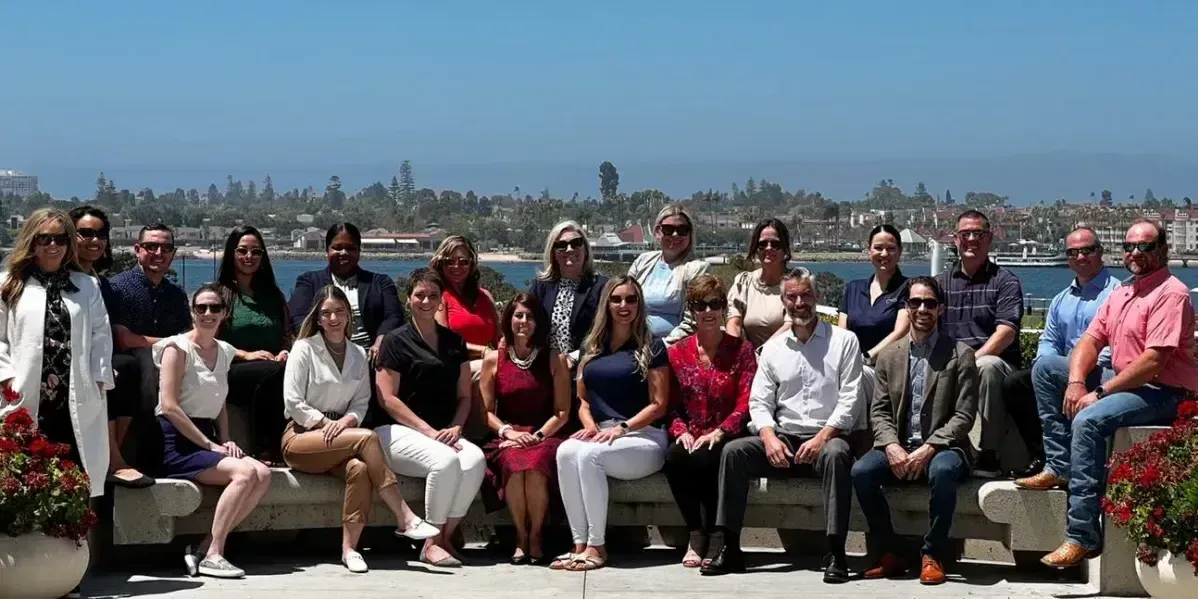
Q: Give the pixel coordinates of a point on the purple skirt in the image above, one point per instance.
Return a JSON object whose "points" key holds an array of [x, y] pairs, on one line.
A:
{"points": [[180, 457]]}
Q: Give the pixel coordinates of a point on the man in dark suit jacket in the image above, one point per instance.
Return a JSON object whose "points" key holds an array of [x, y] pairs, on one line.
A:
{"points": [[924, 405]]}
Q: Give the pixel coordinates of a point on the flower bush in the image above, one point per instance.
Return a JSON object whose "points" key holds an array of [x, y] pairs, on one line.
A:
{"points": [[1152, 490], [41, 490]]}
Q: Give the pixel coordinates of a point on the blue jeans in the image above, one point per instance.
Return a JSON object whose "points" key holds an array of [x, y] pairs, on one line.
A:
{"points": [[1078, 450], [945, 473]]}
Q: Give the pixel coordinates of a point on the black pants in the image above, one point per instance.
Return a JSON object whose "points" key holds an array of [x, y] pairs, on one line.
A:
{"points": [[1020, 399], [694, 479], [744, 460], [125, 400], [258, 386]]}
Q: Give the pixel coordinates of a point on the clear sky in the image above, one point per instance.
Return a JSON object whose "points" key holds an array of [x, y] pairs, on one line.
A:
{"points": [[279, 84]]}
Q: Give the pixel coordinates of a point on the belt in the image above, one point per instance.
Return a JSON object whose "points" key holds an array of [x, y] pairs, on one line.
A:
{"points": [[329, 415]]}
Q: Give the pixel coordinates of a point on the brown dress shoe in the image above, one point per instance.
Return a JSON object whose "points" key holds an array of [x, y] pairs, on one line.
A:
{"points": [[931, 572], [888, 566], [1069, 554], [1042, 482]]}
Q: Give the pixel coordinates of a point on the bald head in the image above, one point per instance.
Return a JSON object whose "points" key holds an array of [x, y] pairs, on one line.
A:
{"points": [[1085, 254]]}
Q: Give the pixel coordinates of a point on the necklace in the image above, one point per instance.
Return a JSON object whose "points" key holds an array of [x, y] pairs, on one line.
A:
{"points": [[337, 352], [526, 363]]}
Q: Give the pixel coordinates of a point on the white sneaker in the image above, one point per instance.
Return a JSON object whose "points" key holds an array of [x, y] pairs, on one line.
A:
{"points": [[219, 567], [420, 531], [191, 559], [354, 562]]}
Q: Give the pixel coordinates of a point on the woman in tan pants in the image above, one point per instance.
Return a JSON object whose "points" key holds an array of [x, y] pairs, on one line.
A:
{"points": [[326, 391]]}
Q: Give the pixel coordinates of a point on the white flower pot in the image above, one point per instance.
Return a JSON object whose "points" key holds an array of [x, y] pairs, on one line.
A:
{"points": [[1171, 578], [34, 566]]}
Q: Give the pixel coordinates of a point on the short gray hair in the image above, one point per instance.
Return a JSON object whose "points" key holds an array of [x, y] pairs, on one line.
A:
{"points": [[801, 275]]}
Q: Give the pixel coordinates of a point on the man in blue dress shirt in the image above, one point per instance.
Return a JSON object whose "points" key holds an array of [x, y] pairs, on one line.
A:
{"points": [[1068, 316]]}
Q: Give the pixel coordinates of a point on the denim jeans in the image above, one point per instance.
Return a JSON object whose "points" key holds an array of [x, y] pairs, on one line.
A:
{"points": [[946, 471], [1078, 450]]}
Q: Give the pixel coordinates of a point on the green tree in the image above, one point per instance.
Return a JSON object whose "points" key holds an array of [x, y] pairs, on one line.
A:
{"points": [[233, 191], [609, 180], [1107, 201], [395, 192], [333, 195], [948, 197], [1149, 196], [407, 181], [213, 196], [251, 194]]}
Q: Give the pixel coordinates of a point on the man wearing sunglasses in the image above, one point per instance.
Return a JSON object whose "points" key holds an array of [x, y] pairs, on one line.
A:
{"points": [[924, 404], [1148, 323]]}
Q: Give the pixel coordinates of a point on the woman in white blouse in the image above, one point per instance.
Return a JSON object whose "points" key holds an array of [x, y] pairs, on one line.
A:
{"points": [[193, 385], [326, 391]]}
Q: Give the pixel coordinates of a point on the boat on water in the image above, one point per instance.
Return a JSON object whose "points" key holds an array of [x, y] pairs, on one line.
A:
{"points": [[203, 254], [1026, 260]]}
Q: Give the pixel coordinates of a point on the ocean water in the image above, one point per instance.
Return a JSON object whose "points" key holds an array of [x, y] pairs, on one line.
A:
{"points": [[1037, 282]]}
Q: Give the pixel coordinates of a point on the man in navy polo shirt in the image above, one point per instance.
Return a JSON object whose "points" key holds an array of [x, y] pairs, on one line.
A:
{"points": [[984, 310]]}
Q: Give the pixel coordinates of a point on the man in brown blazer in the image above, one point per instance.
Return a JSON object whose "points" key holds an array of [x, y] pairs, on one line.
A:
{"points": [[924, 404]]}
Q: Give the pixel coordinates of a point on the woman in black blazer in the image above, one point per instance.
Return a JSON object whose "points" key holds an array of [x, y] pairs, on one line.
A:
{"points": [[568, 289]]}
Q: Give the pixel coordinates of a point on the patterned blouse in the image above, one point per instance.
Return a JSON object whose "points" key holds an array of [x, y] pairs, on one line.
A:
{"points": [[712, 395], [559, 321], [56, 344]]}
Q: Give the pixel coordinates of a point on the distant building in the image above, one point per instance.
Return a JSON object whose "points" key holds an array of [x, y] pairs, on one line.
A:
{"points": [[17, 183]]}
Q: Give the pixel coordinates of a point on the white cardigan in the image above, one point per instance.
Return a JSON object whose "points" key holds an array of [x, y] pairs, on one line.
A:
{"points": [[21, 336], [681, 277], [312, 384]]}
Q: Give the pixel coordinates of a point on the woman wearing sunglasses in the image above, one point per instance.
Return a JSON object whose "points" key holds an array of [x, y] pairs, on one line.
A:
{"points": [[194, 371], [709, 405], [258, 326], [755, 309], [568, 289], [623, 389], [664, 274]]}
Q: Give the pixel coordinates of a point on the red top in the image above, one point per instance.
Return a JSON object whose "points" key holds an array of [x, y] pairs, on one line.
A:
{"points": [[706, 396], [476, 324], [523, 398]]}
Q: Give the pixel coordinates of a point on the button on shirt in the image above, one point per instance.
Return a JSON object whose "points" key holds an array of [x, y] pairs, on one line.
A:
{"points": [[149, 310], [873, 321], [917, 377], [978, 304], [1070, 314], [802, 387], [350, 288]]}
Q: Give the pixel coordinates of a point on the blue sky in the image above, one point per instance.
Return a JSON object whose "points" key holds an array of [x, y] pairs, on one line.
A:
{"points": [[274, 84]]}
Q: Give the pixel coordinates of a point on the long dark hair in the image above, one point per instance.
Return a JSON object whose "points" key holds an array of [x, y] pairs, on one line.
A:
{"points": [[887, 229], [779, 227], [540, 333], [262, 284], [102, 265]]}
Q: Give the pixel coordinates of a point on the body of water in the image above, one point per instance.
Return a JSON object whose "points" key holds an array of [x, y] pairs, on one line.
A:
{"points": [[1037, 282]]}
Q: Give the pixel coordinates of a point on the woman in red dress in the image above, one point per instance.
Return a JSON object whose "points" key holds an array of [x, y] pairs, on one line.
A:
{"points": [[526, 390], [713, 373]]}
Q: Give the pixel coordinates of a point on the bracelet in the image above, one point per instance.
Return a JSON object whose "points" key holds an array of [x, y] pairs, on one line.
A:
{"points": [[503, 429], [1082, 383]]}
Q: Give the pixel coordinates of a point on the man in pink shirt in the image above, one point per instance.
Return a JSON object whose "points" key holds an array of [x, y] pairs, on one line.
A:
{"points": [[1148, 322]]}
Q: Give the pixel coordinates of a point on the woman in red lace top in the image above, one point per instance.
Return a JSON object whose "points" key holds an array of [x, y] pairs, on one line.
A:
{"points": [[713, 372]]}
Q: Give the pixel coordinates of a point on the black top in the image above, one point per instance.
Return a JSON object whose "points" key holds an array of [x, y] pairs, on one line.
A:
{"points": [[378, 300], [586, 304], [428, 380], [145, 309]]}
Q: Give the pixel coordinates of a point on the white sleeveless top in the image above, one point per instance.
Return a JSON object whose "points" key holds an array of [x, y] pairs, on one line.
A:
{"points": [[202, 391]]}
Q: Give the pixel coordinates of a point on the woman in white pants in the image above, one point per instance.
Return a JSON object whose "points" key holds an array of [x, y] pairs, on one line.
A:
{"points": [[623, 389], [424, 388]]}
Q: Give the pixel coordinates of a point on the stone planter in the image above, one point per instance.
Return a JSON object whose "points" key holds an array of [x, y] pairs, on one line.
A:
{"points": [[35, 566], [1171, 578]]}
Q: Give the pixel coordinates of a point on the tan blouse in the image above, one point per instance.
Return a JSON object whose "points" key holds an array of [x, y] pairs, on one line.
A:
{"points": [[758, 305]]}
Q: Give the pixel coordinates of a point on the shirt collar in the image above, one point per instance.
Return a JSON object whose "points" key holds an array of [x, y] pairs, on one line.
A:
{"points": [[896, 281], [819, 332], [350, 282], [1153, 280], [1097, 283], [986, 271], [927, 344]]}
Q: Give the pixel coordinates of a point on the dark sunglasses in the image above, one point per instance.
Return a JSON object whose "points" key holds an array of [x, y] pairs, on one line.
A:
{"points": [[44, 239], [971, 234], [930, 303], [771, 244], [1143, 246], [458, 262], [208, 308], [153, 247], [255, 252], [616, 300], [675, 230], [716, 305], [90, 234], [1081, 251], [572, 244]]}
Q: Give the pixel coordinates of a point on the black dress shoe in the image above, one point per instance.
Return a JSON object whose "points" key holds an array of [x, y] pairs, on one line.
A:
{"points": [[726, 561], [836, 569], [519, 560], [1034, 467]]}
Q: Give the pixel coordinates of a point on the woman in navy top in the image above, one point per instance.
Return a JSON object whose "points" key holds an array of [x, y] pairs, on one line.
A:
{"points": [[623, 391], [872, 308]]}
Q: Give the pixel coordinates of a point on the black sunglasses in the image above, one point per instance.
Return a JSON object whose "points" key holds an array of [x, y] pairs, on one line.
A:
{"points": [[971, 234], [1144, 246], [90, 234], [458, 262], [771, 244], [675, 230], [716, 305], [153, 247], [208, 308], [255, 252], [631, 300], [44, 239], [571, 244], [1082, 251], [930, 303]]}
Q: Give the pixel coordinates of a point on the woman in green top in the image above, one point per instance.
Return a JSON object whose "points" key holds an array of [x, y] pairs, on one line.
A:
{"points": [[259, 327]]}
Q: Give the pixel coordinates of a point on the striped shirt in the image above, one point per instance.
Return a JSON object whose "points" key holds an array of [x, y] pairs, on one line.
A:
{"points": [[977, 305]]}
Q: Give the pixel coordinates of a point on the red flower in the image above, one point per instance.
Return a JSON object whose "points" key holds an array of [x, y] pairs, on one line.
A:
{"points": [[1150, 476], [10, 486], [62, 450], [69, 484], [42, 448], [19, 421], [8, 395], [1120, 473], [1188, 410], [1122, 515], [8, 445], [37, 481], [1154, 529], [1192, 553], [69, 465]]}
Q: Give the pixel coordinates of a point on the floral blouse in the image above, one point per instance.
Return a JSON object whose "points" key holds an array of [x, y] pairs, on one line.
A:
{"points": [[707, 396]]}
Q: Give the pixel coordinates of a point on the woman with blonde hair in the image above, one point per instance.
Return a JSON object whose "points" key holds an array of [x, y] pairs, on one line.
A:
{"points": [[568, 289], [326, 391], [623, 390], [665, 274]]}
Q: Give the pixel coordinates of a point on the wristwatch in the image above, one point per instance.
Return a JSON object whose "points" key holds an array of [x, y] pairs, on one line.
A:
{"points": [[1100, 392], [624, 425], [539, 435]]}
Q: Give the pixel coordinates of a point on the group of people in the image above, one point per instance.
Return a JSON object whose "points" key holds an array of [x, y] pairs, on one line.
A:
{"points": [[585, 377]]}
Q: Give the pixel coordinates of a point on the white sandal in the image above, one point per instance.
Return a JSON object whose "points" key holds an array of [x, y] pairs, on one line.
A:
{"points": [[560, 562], [354, 562]]}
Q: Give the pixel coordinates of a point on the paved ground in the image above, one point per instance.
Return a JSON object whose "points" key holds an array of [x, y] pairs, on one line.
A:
{"points": [[653, 574]]}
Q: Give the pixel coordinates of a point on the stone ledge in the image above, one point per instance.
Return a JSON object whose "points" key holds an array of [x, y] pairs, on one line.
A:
{"points": [[1036, 518]]}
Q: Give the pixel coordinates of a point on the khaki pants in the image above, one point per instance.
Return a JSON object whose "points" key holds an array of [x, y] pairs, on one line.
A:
{"points": [[354, 455]]}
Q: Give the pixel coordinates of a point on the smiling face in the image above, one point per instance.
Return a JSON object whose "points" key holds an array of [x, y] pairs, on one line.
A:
{"points": [[923, 308], [1146, 255], [50, 245], [155, 251], [884, 252], [207, 310], [458, 266], [708, 312], [91, 238], [624, 304], [524, 324], [1085, 255], [569, 254], [770, 249], [424, 300], [972, 238], [673, 235], [799, 299], [343, 254], [248, 255], [334, 315]]}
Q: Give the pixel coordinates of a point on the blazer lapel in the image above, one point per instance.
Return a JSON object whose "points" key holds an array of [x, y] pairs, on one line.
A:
{"points": [[580, 292], [899, 387], [937, 362]]}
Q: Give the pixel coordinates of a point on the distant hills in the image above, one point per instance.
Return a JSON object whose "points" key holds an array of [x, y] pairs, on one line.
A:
{"points": [[1026, 179]]}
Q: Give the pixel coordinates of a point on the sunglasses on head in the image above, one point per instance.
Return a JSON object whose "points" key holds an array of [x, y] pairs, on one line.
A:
{"points": [[255, 252], [570, 244], [675, 230], [90, 234], [715, 305], [630, 300], [208, 308], [154, 248], [1144, 246], [771, 244], [44, 239], [930, 303], [1081, 251]]}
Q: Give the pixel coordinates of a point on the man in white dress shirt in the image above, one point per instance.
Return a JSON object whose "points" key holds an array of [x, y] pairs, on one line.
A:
{"points": [[802, 407]]}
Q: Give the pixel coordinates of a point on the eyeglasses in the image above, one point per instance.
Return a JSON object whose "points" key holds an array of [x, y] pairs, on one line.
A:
{"points": [[930, 303], [569, 244], [771, 244], [90, 234], [716, 305], [675, 230], [153, 248], [458, 262], [255, 252], [1081, 251], [971, 234], [618, 300], [45, 239], [1143, 246], [208, 308]]}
